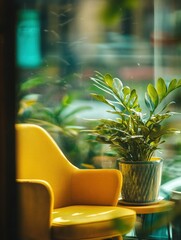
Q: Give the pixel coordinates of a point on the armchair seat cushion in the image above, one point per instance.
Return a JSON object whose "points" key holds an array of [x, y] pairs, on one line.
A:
{"points": [[84, 222]]}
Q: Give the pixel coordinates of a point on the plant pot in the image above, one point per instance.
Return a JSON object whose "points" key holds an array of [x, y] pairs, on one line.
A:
{"points": [[141, 181]]}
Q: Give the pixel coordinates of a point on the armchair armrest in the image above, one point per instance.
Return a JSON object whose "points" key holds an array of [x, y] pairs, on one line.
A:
{"points": [[96, 187], [35, 203]]}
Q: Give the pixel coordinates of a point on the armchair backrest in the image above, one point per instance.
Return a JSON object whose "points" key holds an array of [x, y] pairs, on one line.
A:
{"points": [[39, 157]]}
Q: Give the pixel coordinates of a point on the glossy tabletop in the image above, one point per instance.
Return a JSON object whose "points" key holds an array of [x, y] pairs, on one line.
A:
{"points": [[162, 206]]}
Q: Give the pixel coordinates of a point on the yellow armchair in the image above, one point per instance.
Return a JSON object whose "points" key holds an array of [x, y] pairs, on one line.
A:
{"points": [[58, 201]]}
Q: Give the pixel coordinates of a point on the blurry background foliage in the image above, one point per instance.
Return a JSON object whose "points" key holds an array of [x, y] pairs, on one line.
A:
{"points": [[79, 37], [44, 97], [114, 10], [56, 118]]}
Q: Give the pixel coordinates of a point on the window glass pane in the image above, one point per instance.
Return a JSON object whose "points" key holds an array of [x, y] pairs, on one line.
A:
{"points": [[60, 45], [167, 59]]}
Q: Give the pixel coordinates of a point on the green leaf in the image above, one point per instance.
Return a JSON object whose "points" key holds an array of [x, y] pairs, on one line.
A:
{"points": [[32, 83], [153, 95], [172, 85], [179, 83], [148, 102], [99, 75], [133, 98], [161, 88], [66, 100], [117, 85], [98, 97], [126, 93], [99, 83], [101, 98], [165, 106], [126, 90], [108, 80]]}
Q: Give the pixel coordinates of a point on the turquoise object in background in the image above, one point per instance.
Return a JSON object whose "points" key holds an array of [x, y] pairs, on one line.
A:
{"points": [[28, 49]]}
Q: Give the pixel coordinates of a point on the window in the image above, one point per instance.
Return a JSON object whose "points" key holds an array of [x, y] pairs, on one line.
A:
{"points": [[59, 46]]}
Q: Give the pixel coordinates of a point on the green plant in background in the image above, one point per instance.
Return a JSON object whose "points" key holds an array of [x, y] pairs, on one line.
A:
{"points": [[58, 117], [113, 10], [59, 121], [132, 133]]}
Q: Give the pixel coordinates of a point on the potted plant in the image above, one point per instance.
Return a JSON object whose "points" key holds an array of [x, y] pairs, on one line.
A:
{"points": [[135, 134]]}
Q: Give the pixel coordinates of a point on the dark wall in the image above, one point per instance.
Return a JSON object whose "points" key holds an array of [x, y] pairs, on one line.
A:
{"points": [[8, 206]]}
